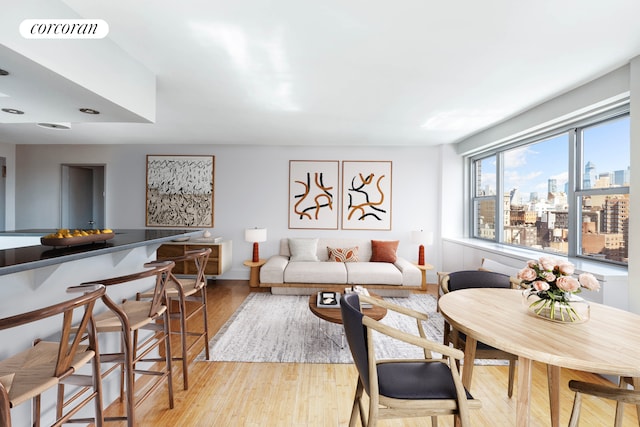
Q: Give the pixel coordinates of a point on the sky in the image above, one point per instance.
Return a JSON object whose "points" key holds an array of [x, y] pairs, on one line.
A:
{"points": [[530, 167]]}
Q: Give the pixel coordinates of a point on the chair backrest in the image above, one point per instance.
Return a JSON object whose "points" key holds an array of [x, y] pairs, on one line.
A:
{"points": [[70, 336], [160, 270], [477, 279], [356, 334], [199, 258]]}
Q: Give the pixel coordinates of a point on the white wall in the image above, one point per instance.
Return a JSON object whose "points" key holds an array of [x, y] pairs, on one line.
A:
{"points": [[251, 189]]}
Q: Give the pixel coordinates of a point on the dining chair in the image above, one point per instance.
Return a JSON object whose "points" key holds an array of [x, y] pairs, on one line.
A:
{"points": [[620, 394], [29, 373], [190, 296], [128, 318], [402, 388], [467, 279]]}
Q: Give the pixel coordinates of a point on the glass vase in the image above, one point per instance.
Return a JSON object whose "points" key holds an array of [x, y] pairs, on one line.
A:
{"points": [[574, 310]]}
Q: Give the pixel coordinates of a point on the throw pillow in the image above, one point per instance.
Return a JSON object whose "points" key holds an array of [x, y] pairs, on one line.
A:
{"points": [[384, 250], [343, 254], [303, 249]]}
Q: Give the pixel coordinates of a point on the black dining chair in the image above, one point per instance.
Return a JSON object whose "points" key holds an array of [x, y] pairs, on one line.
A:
{"points": [[467, 279], [402, 388]]}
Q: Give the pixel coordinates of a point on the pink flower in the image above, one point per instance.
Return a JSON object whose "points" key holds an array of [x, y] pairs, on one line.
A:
{"points": [[531, 263], [527, 274], [549, 276], [547, 263], [567, 284], [540, 285], [566, 268], [588, 281]]}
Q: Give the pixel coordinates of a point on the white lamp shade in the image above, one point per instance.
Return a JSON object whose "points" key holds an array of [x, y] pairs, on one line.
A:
{"points": [[422, 237], [255, 234]]}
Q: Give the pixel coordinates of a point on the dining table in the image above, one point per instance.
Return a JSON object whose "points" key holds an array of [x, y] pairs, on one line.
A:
{"points": [[607, 342]]}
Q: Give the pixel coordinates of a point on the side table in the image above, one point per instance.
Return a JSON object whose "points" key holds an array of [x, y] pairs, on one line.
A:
{"points": [[254, 275], [423, 269]]}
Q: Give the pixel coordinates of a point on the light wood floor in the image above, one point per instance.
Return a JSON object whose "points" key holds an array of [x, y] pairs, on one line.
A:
{"points": [[290, 394]]}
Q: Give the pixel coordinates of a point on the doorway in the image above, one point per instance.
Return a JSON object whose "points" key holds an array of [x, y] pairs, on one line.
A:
{"points": [[83, 196]]}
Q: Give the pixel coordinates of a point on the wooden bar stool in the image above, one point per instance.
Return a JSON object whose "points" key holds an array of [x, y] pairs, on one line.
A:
{"points": [[26, 375], [184, 290], [128, 319]]}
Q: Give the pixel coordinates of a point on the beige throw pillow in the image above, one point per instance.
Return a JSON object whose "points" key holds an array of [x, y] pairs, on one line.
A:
{"points": [[303, 249]]}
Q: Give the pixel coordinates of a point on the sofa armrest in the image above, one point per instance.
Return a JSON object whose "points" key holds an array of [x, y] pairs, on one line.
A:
{"points": [[411, 275], [273, 270]]}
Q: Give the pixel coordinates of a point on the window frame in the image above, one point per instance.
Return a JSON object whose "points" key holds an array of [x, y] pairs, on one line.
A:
{"points": [[575, 180]]}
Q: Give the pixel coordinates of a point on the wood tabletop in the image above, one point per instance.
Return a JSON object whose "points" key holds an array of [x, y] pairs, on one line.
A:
{"points": [[334, 315], [608, 343]]}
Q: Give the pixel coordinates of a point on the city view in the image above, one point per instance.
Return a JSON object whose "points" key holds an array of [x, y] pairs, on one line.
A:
{"points": [[536, 193]]}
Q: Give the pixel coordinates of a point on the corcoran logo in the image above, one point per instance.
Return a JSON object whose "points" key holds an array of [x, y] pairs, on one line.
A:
{"points": [[64, 28]]}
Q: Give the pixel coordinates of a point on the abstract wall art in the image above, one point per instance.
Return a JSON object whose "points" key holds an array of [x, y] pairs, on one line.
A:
{"points": [[180, 191], [366, 195], [313, 194]]}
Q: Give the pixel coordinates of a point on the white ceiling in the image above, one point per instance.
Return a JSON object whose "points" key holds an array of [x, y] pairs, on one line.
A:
{"points": [[291, 72]]}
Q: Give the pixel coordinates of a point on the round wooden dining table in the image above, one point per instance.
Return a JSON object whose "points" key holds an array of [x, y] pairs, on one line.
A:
{"points": [[607, 343]]}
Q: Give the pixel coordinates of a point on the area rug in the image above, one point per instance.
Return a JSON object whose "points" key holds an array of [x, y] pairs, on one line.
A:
{"points": [[281, 328]]}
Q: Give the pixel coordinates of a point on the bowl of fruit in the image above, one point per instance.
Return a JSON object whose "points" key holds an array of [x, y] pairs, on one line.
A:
{"points": [[66, 237]]}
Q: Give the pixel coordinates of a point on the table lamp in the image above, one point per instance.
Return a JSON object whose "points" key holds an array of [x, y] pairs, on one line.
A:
{"points": [[421, 238], [255, 235]]}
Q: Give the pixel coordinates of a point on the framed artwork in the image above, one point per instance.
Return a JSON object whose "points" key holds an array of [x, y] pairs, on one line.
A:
{"points": [[180, 191], [366, 195], [313, 194]]}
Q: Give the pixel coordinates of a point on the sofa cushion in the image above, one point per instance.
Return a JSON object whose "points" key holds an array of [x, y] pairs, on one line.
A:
{"points": [[316, 272], [303, 249], [373, 273], [384, 250], [273, 270], [343, 254]]}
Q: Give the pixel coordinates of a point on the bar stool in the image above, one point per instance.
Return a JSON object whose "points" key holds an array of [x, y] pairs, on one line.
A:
{"points": [[26, 375], [183, 290], [128, 319]]}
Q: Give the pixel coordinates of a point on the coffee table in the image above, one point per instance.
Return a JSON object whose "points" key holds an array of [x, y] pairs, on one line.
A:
{"points": [[334, 315]]}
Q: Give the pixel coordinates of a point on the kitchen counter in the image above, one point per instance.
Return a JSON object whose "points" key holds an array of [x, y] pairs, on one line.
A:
{"points": [[29, 257]]}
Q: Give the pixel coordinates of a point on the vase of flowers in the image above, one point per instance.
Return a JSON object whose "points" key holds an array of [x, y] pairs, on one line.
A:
{"points": [[552, 289]]}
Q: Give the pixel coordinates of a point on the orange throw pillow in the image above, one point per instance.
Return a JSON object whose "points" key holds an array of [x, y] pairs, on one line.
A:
{"points": [[384, 250]]}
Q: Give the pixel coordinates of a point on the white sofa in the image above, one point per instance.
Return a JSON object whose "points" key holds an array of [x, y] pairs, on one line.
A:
{"points": [[285, 275]]}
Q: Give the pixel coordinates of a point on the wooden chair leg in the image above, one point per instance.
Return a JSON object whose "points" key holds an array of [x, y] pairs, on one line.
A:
{"points": [[620, 405], [128, 371], [167, 347], [5, 407], [182, 312], [512, 374], [357, 407], [575, 412], [36, 411], [203, 297]]}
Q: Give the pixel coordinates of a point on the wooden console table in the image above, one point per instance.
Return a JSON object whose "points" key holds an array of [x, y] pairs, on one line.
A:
{"points": [[219, 260]]}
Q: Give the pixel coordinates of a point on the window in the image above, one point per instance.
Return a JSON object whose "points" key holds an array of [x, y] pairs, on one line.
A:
{"points": [[485, 203], [566, 192]]}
